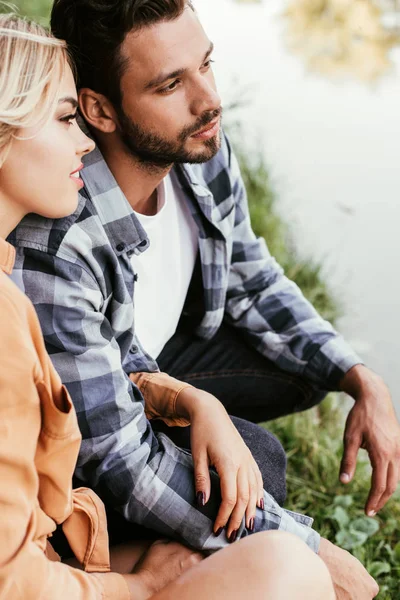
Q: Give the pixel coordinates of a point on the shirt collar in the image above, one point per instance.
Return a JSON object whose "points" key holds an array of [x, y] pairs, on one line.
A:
{"points": [[123, 228], [7, 257]]}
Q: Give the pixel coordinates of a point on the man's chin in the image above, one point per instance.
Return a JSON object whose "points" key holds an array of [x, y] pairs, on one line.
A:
{"points": [[206, 152]]}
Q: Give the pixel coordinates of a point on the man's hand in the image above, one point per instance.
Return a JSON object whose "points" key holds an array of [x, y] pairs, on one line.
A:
{"points": [[350, 579], [163, 562], [372, 425], [216, 442]]}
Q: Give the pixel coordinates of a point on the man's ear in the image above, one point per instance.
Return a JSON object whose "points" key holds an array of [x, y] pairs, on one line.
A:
{"points": [[97, 111]]}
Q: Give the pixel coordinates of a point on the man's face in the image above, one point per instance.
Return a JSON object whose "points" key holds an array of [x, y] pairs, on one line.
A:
{"points": [[171, 111]]}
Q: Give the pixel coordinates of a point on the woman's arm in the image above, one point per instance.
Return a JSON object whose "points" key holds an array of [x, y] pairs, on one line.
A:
{"points": [[25, 571]]}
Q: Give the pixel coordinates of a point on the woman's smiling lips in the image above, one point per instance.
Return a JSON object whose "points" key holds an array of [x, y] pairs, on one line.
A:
{"points": [[208, 132], [76, 178]]}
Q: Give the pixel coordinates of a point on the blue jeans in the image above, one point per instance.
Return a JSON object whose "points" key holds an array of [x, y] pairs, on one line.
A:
{"points": [[249, 385]]}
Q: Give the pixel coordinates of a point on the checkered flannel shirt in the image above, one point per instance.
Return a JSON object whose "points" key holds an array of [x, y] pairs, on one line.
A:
{"points": [[77, 272]]}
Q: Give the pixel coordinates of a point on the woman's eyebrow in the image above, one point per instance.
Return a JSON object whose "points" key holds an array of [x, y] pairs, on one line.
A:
{"points": [[71, 100]]}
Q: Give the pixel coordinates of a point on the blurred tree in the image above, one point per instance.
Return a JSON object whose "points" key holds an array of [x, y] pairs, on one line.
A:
{"points": [[36, 9], [344, 36]]}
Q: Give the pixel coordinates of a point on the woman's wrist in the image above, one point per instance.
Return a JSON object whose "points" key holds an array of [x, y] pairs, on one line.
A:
{"points": [[192, 401]]}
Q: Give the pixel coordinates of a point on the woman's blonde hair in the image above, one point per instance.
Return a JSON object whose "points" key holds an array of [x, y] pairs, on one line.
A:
{"points": [[32, 65]]}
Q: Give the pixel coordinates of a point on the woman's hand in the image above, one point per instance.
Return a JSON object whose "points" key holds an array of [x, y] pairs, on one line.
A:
{"points": [[216, 442]]}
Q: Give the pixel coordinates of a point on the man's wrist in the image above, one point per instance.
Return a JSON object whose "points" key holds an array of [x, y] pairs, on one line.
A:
{"points": [[359, 380]]}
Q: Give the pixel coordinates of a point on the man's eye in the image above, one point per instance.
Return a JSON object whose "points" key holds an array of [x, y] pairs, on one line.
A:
{"points": [[171, 87], [208, 63]]}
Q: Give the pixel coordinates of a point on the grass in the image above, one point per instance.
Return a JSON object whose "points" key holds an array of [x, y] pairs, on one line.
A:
{"points": [[313, 439]]}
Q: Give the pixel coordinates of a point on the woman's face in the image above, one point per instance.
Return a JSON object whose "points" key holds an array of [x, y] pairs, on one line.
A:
{"points": [[41, 174]]}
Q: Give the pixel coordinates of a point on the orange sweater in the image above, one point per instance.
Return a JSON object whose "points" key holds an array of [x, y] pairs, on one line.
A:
{"points": [[39, 443]]}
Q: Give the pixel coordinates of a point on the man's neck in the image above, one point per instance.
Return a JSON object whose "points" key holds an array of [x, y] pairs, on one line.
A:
{"points": [[138, 182]]}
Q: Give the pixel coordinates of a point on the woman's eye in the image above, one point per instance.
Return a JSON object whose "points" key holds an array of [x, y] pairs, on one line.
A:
{"points": [[69, 119]]}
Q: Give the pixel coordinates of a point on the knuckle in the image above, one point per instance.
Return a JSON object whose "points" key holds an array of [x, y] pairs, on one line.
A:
{"points": [[200, 479], [195, 558], [230, 501], [349, 439], [243, 499], [379, 490]]}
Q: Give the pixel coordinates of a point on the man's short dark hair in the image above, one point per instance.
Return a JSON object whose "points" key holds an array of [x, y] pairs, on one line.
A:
{"points": [[95, 30]]}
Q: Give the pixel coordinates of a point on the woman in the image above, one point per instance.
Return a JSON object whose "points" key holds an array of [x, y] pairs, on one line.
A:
{"points": [[41, 147]]}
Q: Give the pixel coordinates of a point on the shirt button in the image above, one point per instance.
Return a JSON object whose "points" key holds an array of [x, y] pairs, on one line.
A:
{"points": [[120, 247], [134, 350], [142, 243]]}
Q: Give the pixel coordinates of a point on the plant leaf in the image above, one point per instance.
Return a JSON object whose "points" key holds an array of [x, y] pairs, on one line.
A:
{"points": [[350, 539], [341, 517], [366, 525], [378, 568], [345, 501]]}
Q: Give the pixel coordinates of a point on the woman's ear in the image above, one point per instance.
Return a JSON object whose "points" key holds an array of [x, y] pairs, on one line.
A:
{"points": [[97, 111]]}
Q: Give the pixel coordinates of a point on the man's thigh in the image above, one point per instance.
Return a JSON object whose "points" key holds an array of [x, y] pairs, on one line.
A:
{"points": [[249, 385]]}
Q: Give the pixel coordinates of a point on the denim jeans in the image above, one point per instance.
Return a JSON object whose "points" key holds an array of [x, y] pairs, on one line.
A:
{"points": [[249, 385]]}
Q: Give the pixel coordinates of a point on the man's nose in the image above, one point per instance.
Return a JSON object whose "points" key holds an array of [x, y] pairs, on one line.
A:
{"points": [[206, 99]]}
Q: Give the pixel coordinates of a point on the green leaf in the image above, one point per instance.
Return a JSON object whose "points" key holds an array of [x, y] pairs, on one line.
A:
{"points": [[366, 525], [396, 552], [350, 539], [378, 568], [341, 517], [345, 501]]}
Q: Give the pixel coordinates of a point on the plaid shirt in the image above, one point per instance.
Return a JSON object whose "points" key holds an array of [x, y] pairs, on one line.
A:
{"points": [[77, 272]]}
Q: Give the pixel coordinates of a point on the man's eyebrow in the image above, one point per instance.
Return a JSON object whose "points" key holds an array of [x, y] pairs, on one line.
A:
{"points": [[70, 99], [174, 74]]}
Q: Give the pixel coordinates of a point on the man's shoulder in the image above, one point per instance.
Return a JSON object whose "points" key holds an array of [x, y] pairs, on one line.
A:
{"points": [[53, 236]]}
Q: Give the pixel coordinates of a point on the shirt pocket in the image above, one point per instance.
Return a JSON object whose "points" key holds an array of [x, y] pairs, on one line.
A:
{"points": [[57, 452]]}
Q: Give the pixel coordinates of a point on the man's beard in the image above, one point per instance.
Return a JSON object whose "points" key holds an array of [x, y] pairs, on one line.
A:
{"points": [[155, 152]]}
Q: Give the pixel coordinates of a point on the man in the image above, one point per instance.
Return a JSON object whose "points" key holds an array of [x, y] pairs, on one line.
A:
{"points": [[162, 193]]}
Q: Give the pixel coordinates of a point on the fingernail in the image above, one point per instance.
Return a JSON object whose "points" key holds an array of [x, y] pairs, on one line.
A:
{"points": [[345, 478], [372, 513], [201, 498], [262, 505], [218, 532], [233, 536], [251, 525]]}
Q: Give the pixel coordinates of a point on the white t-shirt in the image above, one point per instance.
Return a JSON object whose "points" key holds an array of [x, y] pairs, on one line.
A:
{"points": [[165, 269]]}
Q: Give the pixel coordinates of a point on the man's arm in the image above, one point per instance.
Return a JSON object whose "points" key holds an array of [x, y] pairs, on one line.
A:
{"points": [[145, 476], [271, 310], [282, 325]]}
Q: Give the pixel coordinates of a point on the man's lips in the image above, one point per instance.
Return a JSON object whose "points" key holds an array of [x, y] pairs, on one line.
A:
{"points": [[209, 131]]}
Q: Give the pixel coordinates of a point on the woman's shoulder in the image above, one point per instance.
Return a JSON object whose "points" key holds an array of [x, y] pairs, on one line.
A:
{"points": [[16, 309]]}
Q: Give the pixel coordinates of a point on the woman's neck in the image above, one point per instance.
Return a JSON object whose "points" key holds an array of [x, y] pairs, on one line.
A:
{"points": [[10, 216]]}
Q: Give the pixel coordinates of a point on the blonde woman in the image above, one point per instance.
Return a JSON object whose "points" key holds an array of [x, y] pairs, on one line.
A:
{"points": [[41, 147]]}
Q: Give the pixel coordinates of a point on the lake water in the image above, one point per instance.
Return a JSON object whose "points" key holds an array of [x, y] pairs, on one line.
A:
{"points": [[333, 149]]}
